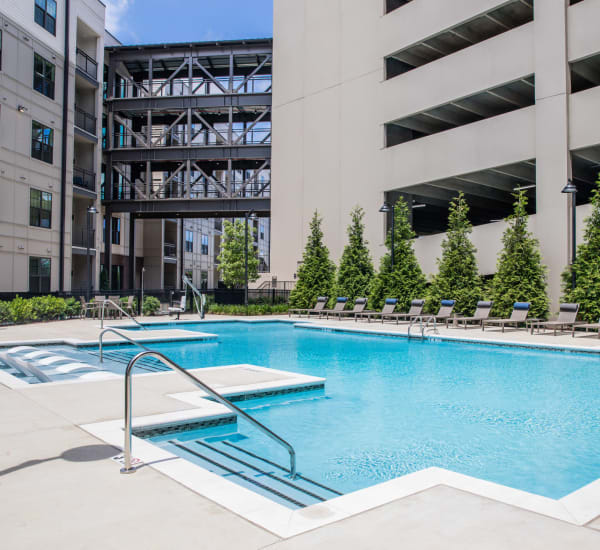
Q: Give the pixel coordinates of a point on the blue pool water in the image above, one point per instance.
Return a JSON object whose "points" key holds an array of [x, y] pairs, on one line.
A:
{"points": [[526, 418]]}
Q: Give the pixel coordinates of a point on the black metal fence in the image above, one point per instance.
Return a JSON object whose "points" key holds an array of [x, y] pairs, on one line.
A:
{"points": [[170, 296]]}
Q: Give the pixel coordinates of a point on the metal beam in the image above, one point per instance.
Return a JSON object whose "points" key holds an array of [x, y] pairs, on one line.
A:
{"points": [[164, 103], [192, 208], [179, 154]]}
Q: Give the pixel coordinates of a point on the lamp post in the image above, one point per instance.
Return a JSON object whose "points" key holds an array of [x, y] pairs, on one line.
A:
{"points": [[142, 293], [571, 189], [387, 207], [249, 215], [90, 212]]}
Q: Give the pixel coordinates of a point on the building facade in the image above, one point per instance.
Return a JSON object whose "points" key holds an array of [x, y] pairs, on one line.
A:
{"points": [[50, 152], [422, 99]]}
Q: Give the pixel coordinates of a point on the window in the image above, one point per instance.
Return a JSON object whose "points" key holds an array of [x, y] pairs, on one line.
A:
{"points": [[204, 245], [189, 241], [117, 275], [0, 50], [43, 76], [262, 232], [39, 274], [42, 142], [45, 14], [204, 280], [116, 231], [40, 208]]}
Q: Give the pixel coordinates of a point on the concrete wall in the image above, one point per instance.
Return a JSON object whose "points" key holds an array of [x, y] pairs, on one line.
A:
{"points": [[330, 102]]}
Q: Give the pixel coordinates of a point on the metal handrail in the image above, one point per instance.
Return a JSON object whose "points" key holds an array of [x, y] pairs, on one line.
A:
{"points": [[118, 334], [121, 310], [127, 469], [420, 319], [197, 294]]}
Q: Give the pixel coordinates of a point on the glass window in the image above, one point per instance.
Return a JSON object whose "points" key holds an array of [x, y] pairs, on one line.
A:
{"points": [[42, 142], [39, 274], [45, 14], [189, 241], [204, 245], [43, 76], [40, 208], [116, 231]]}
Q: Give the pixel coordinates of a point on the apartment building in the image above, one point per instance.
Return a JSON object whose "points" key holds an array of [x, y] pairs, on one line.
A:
{"points": [[50, 152], [424, 98]]}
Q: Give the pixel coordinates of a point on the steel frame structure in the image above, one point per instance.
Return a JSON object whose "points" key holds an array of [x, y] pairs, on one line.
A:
{"points": [[187, 131]]}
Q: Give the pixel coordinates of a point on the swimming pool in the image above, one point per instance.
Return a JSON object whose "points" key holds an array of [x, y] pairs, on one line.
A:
{"points": [[524, 418]]}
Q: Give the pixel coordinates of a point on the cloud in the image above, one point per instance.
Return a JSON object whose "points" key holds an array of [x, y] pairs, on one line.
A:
{"points": [[116, 14]]}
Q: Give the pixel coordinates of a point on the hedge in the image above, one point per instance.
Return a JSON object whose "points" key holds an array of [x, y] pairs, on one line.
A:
{"points": [[40, 308]]}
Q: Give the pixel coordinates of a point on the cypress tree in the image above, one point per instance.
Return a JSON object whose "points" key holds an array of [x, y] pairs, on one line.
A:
{"points": [[457, 277], [406, 281], [520, 275], [356, 268], [587, 267], [316, 274]]}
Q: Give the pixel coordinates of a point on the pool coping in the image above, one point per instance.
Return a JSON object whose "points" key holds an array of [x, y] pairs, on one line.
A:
{"points": [[578, 508], [447, 337]]}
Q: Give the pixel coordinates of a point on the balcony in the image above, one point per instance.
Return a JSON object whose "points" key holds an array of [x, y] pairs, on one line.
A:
{"points": [[79, 238], [86, 64], [170, 250], [85, 121], [86, 179]]}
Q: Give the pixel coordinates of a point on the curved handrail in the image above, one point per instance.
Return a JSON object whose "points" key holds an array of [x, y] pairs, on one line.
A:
{"points": [[118, 334], [127, 469], [122, 311]]}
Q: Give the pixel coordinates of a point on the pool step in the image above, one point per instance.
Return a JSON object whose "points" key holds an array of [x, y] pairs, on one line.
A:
{"points": [[149, 364], [254, 472]]}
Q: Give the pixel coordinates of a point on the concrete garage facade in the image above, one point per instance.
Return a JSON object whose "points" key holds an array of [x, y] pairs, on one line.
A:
{"points": [[422, 98]]}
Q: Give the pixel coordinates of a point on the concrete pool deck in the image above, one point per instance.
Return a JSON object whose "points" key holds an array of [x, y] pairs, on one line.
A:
{"points": [[60, 487]]}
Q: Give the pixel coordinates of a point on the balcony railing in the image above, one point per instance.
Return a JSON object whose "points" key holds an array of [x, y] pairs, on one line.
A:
{"points": [[85, 179], [80, 237], [170, 250], [84, 120], [86, 64]]}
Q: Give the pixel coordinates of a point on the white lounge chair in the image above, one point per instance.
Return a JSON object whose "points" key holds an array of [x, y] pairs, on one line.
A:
{"points": [[23, 367]]}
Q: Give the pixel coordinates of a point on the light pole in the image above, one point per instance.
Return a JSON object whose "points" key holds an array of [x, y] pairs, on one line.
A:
{"points": [[142, 294], [90, 212], [571, 190], [387, 207], [249, 215]]}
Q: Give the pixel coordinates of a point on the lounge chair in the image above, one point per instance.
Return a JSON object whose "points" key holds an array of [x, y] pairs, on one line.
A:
{"points": [[359, 306], [518, 315], [178, 309], [340, 304], [587, 326], [319, 306], [482, 312], [416, 309], [567, 318], [388, 307], [443, 314]]}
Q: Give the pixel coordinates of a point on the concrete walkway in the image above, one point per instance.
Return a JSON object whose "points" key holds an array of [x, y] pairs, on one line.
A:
{"points": [[59, 487]]}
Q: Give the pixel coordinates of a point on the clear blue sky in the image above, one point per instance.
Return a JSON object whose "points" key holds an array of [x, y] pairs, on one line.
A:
{"points": [[155, 21]]}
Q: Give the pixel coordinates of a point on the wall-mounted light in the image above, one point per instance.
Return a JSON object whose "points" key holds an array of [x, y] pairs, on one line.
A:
{"points": [[21, 108], [418, 205]]}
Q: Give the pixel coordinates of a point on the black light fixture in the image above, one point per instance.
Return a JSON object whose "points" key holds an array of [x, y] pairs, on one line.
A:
{"points": [[90, 212], [386, 208], [571, 189]]}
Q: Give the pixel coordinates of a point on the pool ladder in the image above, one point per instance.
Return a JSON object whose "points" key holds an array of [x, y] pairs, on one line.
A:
{"points": [[422, 326], [128, 469]]}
